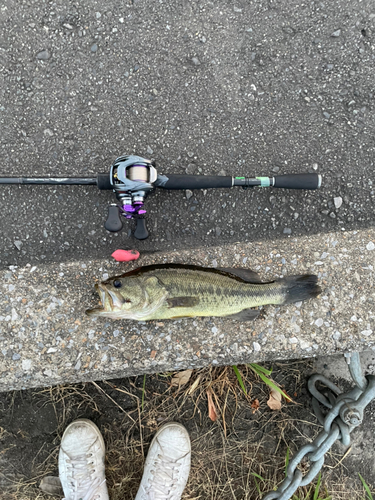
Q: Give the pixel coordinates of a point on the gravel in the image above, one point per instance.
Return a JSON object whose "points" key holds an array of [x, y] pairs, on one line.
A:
{"points": [[43, 55], [337, 201]]}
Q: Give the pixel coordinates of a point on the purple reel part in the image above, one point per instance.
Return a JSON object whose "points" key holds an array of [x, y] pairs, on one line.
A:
{"points": [[133, 210]]}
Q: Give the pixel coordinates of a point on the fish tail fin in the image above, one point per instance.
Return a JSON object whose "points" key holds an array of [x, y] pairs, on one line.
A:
{"points": [[298, 288]]}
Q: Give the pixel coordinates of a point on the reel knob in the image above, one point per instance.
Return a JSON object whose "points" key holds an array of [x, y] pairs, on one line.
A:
{"points": [[113, 222], [141, 232]]}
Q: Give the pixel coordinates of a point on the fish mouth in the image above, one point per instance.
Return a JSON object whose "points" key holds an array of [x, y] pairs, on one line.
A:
{"points": [[116, 300], [102, 292], [111, 301], [99, 310]]}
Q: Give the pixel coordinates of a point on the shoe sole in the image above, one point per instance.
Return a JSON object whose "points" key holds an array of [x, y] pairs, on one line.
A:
{"points": [[92, 425], [171, 424]]}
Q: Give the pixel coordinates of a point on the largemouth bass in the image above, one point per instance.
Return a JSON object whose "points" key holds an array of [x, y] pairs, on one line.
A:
{"points": [[170, 291]]}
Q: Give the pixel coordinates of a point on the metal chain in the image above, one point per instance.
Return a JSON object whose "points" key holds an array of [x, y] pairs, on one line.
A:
{"points": [[345, 413]]}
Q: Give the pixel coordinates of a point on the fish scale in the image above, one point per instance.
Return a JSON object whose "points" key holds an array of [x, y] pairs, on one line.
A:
{"points": [[219, 292], [210, 284], [168, 291]]}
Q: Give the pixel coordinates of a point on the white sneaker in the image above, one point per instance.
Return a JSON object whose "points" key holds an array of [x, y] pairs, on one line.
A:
{"points": [[81, 462], [167, 464]]}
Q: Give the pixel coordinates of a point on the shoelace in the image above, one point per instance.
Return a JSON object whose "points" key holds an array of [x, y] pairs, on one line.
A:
{"points": [[84, 488], [165, 478]]}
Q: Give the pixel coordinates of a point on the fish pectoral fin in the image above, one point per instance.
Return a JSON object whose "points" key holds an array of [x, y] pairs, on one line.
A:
{"points": [[182, 301], [151, 280], [245, 274], [245, 315]]}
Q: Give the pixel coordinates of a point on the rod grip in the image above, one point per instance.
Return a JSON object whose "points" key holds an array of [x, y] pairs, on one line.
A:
{"points": [[298, 181], [180, 181]]}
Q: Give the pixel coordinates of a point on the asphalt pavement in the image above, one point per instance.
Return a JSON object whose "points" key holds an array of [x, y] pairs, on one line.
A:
{"points": [[235, 87]]}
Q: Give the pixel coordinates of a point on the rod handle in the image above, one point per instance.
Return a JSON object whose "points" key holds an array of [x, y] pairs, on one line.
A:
{"points": [[298, 181], [181, 181]]}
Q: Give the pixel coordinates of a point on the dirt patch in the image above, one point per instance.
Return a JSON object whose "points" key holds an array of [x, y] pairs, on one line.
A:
{"points": [[243, 442]]}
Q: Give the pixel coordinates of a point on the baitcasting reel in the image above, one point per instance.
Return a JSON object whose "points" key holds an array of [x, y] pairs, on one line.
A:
{"points": [[132, 178]]}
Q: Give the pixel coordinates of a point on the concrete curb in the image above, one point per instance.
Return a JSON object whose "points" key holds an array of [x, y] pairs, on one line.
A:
{"points": [[46, 339]]}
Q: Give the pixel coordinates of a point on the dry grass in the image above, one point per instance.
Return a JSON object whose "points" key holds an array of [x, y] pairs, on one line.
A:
{"points": [[226, 453]]}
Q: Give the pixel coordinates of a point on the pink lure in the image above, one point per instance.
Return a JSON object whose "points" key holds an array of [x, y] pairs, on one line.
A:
{"points": [[125, 255]]}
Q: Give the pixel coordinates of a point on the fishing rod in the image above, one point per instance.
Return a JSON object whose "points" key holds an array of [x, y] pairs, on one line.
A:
{"points": [[132, 178]]}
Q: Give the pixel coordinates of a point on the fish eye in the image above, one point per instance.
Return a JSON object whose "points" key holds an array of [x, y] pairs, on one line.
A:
{"points": [[117, 284]]}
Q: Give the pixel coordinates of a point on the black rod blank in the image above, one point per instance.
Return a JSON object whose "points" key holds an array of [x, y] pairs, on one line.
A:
{"points": [[55, 181]]}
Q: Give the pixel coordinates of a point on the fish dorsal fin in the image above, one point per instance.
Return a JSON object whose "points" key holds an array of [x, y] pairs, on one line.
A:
{"points": [[183, 301], [245, 274], [245, 315]]}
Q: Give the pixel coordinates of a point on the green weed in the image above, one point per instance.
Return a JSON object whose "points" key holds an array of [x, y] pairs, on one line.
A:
{"points": [[313, 493], [239, 378], [366, 487], [287, 460], [263, 374]]}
